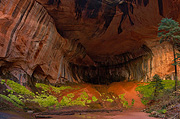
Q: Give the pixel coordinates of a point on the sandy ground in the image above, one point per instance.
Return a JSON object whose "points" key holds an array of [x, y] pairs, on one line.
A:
{"points": [[113, 115]]}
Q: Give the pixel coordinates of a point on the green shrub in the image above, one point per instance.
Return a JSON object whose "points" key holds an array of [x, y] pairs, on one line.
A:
{"points": [[110, 100], [10, 100], [65, 101], [19, 89], [124, 101], [16, 99], [94, 99], [49, 88], [132, 103], [70, 95], [163, 111], [147, 91], [3, 81], [84, 96], [45, 100], [89, 101]]}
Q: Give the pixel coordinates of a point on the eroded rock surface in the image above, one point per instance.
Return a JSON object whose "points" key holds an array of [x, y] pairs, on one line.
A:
{"points": [[96, 41]]}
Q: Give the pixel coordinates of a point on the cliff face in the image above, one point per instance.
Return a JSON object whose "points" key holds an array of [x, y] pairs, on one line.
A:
{"points": [[30, 43], [96, 41]]}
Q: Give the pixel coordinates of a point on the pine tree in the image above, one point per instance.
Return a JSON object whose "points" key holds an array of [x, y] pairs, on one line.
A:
{"points": [[169, 30]]}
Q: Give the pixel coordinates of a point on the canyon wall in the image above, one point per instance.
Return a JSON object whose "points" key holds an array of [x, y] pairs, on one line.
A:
{"points": [[30, 43], [96, 41]]}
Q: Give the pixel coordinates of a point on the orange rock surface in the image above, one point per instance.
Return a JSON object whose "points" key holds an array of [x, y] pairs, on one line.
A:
{"points": [[93, 41]]}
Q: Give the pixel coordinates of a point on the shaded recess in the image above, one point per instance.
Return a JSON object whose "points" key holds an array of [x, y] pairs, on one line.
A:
{"points": [[93, 8], [51, 2], [160, 4], [127, 66], [80, 5]]}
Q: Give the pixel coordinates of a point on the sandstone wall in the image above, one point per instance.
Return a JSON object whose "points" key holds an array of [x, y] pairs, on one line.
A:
{"points": [[29, 41], [93, 41]]}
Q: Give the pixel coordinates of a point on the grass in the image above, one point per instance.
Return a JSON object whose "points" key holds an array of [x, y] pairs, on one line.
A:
{"points": [[147, 90]]}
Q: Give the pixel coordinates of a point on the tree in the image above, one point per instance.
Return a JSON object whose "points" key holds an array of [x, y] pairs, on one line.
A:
{"points": [[169, 30], [157, 84]]}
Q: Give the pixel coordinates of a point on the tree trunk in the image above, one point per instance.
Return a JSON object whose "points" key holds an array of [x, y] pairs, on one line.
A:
{"points": [[175, 78]]}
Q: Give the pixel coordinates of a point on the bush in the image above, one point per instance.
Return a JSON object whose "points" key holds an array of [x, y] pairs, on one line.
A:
{"points": [[10, 100], [154, 90], [45, 100], [18, 88]]}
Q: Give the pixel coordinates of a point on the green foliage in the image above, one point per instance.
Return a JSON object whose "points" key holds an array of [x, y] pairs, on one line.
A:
{"points": [[94, 99], [50, 88], [124, 101], [84, 95], [81, 100], [163, 111], [147, 91], [16, 99], [65, 101], [157, 84], [70, 95], [19, 89], [45, 100], [10, 100], [132, 103], [110, 100], [89, 101], [65, 87], [169, 30], [10, 91], [3, 81]]}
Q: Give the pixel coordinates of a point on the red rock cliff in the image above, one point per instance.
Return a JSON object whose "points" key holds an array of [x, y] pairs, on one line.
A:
{"points": [[96, 41]]}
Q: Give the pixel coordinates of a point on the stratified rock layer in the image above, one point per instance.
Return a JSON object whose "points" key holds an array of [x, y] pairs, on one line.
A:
{"points": [[95, 41]]}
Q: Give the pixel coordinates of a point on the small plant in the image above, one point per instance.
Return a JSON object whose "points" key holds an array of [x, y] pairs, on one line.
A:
{"points": [[124, 101], [94, 99], [70, 95], [89, 101], [110, 100], [163, 111], [3, 81], [132, 103], [10, 91]]}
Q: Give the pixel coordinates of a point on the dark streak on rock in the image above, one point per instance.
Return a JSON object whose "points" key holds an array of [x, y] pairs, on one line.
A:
{"points": [[139, 2], [40, 19], [27, 16], [16, 10], [146, 2], [13, 31], [160, 4], [125, 9], [80, 5], [108, 14], [51, 2], [93, 8]]}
